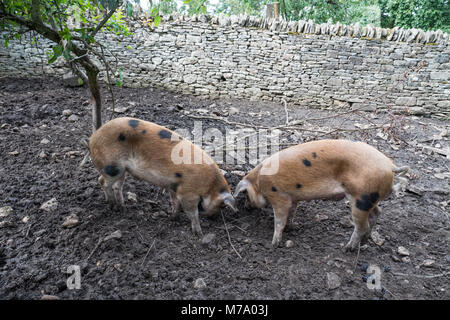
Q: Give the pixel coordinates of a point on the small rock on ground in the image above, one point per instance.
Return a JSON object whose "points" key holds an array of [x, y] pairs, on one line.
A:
{"points": [[115, 235], [5, 211], [208, 238], [50, 205], [403, 251], [333, 280], [199, 283], [132, 196], [71, 221]]}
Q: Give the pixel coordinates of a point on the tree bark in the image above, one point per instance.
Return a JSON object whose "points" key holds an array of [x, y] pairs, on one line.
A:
{"points": [[96, 99]]}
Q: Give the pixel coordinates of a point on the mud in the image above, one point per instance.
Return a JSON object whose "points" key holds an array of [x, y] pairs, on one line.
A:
{"points": [[157, 258]]}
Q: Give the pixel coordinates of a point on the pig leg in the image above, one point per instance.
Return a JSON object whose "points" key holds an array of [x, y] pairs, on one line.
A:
{"points": [[175, 203], [292, 211], [361, 221], [107, 188], [190, 206], [281, 213], [373, 217], [117, 187]]}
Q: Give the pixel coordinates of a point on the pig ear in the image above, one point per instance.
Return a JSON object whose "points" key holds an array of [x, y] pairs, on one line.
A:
{"points": [[243, 185], [229, 201]]}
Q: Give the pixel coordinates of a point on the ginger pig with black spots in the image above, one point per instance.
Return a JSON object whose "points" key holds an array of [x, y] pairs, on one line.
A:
{"points": [[326, 169], [161, 157]]}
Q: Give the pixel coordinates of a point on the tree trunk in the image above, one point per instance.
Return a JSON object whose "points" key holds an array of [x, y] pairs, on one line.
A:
{"points": [[96, 99]]}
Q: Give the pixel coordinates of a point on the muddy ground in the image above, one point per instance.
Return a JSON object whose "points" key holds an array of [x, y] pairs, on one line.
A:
{"points": [[157, 258]]}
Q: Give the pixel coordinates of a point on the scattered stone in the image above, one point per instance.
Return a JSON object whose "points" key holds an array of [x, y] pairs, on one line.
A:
{"points": [[5, 211], [387, 268], [42, 155], [45, 141], [428, 262], [402, 251], [49, 205], [320, 217], [333, 281], [71, 221], [67, 113], [289, 244], [376, 238], [406, 259], [395, 258], [122, 109], [49, 297], [26, 219], [238, 173], [115, 235], [73, 118], [132, 197], [13, 153], [233, 110], [208, 238], [199, 283]]}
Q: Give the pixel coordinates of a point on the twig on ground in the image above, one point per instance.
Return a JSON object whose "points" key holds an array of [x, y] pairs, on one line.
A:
{"points": [[229, 238], [153, 243], [357, 257], [425, 276], [95, 248]]}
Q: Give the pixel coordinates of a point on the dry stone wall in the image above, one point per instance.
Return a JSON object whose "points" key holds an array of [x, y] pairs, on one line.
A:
{"points": [[315, 65]]}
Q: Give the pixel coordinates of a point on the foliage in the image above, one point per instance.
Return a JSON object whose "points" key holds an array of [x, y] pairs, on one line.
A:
{"points": [[424, 14]]}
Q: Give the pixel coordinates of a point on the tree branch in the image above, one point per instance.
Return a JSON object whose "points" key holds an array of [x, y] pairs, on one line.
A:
{"points": [[36, 11], [106, 18]]}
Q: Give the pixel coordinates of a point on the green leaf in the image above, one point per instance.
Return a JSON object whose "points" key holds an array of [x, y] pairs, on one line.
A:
{"points": [[118, 83], [6, 43], [67, 54], [58, 50], [129, 8], [80, 81], [52, 59], [157, 20]]}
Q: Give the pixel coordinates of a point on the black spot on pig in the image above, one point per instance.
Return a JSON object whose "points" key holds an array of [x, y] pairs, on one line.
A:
{"points": [[111, 170], [223, 190], [121, 137], [298, 185], [178, 175], [164, 134], [367, 201], [314, 155], [133, 123], [306, 162], [144, 131], [174, 187], [274, 189]]}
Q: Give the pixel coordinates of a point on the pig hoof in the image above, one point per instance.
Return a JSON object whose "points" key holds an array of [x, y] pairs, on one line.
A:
{"points": [[275, 243], [197, 232], [349, 247]]}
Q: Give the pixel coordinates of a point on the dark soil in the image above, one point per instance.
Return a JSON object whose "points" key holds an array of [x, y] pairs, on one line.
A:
{"points": [[157, 258]]}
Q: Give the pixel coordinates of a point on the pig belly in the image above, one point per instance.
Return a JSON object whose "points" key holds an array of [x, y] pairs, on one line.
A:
{"points": [[327, 190], [152, 176]]}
